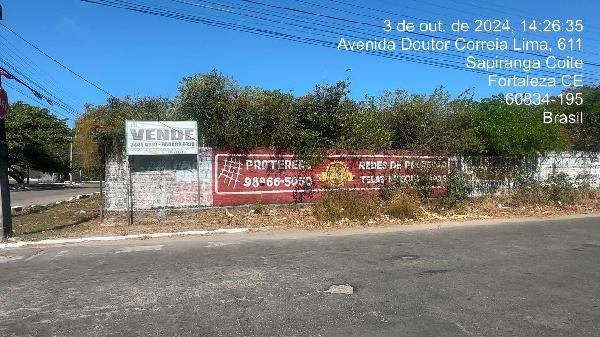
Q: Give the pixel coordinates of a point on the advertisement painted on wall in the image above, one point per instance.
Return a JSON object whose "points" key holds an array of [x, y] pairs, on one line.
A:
{"points": [[161, 137], [271, 177]]}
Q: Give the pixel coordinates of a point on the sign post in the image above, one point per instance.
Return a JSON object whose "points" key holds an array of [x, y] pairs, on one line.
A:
{"points": [[157, 138]]}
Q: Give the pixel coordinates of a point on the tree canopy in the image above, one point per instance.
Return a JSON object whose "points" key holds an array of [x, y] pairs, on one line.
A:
{"points": [[230, 115], [36, 139]]}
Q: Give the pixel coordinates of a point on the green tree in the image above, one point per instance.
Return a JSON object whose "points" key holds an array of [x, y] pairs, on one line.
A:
{"points": [[363, 127], [100, 130], [426, 122], [36, 139], [585, 136], [514, 130], [321, 112], [209, 100]]}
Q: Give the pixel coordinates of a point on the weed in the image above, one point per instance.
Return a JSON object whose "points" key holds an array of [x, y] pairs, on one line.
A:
{"points": [[529, 191], [458, 188], [403, 206], [557, 188], [259, 207], [337, 205]]}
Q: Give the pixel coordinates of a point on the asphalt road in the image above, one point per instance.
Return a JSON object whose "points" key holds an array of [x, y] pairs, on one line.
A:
{"points": [[48, 193], [518, 279]]}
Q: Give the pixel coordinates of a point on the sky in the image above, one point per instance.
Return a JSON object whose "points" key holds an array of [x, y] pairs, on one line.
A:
{"points": [[128, 53]]}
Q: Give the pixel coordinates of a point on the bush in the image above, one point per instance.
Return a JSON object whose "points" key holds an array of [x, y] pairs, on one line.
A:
{"points": [[557, 188], [259, 207], [337, 205], [423, 183], [585, 188], [421, 187], [529, 191], [458, 188], [561, 188], [403, 206], [396, 186]]}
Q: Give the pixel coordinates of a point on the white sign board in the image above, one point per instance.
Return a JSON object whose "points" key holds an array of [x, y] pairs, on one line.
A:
{"points": [[160, 138]]}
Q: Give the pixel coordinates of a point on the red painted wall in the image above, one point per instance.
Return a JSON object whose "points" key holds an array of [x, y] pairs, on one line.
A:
{"points": [[276, 177]]}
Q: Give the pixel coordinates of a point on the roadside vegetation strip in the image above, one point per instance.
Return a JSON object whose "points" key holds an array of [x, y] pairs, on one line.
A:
{"points": [[18, 209], [20, 244], [399, 204]]}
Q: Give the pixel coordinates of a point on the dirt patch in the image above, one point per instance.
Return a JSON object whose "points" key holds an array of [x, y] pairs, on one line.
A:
{"points": [[65, 219]]}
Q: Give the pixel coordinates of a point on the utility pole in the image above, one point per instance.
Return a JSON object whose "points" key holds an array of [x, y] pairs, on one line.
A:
{"points": [[5, 216]]}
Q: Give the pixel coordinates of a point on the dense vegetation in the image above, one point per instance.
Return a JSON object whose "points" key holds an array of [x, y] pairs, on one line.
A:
{"points": [[230, 115]]}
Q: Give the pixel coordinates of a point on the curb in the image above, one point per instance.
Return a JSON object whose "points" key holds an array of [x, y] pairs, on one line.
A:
{"points": [[20, 244]]}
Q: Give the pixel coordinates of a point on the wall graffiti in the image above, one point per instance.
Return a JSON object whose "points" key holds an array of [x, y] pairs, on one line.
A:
{"points": [[241, 178], [225, 178], [169, 181]]}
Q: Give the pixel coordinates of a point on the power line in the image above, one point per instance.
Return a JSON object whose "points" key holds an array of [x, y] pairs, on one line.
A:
{"points": [[445, 9], [510, 11], [259, 31], [293, 19], [37, 94], [373, 25], [8, 75], [401, 15], [28, 62], [448, 53], [137, 7], [56, 61], [39, 74], [10, 85], [48, 96]]}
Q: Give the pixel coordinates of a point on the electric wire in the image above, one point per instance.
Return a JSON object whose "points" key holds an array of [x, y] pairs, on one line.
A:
{"points": [[56, 61], [196, 19]]}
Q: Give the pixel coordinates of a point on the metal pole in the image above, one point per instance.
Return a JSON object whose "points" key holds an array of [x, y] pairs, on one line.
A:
{"points": [[130, 201], [198, 176], [5, 216], [71, 163], [102, 174], [4, 190]]}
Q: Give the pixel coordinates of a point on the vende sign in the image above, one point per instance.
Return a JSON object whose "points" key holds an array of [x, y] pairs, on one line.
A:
{"points": [[242, 178], [3, 103], [161, 137]]}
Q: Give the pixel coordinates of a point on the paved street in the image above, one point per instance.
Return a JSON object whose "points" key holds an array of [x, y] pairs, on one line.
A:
{"points": [[515, 279], [48, 193]]}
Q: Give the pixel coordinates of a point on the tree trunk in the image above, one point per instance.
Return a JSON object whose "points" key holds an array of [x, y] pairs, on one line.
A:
{"points": [[16, 175]]}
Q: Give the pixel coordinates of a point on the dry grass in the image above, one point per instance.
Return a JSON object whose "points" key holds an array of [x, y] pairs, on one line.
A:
{"points": [[81, 217], [403, 206], [339, 205], [67, 218]]}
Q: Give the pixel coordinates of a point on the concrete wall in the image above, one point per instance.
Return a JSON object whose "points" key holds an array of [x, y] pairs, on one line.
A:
{"points": [[492, 174], [489, 174], [170, 181], [272, 176], [225, 178], [574, 164]]}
